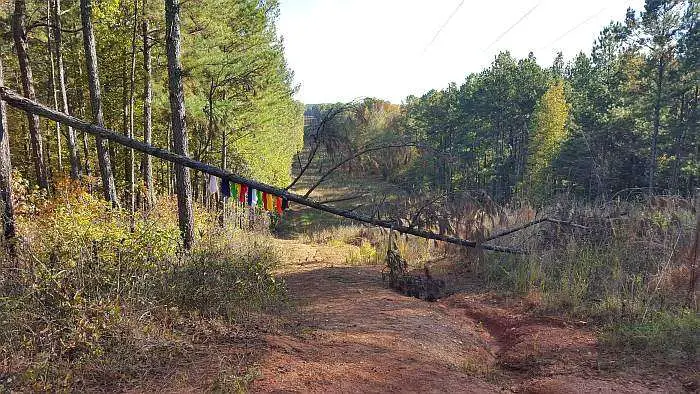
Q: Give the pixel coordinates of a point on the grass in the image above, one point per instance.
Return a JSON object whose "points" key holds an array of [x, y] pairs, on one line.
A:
{"points": [[663, 338], [628, 276], [234, 376]]}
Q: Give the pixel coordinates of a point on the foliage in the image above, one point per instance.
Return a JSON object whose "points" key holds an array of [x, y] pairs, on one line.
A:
{"points": [[618, 118], [548, 134], [86, 299], [238, 88], [368, 129], [665, 337]]}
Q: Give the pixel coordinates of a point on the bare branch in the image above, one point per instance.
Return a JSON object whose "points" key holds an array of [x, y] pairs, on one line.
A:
{"points": [[330, 115], [532, 223], [353, 157]]}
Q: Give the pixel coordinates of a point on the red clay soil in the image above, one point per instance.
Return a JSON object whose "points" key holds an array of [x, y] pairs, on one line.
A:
{"points": [[348, 333], [354, 335]]}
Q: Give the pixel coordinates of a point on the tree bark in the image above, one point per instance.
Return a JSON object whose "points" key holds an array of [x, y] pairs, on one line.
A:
{"points": [[57, 37], [19, 33], [130, 159], [183, 185], [6, 174], [224, 159], [132, 77], [103, 156], [146, 163]]}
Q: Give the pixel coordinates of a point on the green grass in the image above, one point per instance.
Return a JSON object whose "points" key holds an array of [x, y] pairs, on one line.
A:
{"points": [[664, 337]]}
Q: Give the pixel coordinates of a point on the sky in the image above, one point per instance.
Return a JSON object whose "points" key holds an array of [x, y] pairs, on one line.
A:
{"points": [[341, 50]]}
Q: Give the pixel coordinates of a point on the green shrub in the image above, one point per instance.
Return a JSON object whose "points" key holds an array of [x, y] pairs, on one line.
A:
{"points": [[225, 279]]}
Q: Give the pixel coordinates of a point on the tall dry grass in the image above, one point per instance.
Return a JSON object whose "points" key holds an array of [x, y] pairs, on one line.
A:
{"points": [[627, 269]]}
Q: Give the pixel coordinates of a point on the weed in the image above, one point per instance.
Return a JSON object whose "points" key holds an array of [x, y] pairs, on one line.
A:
{"points": [[234, 377], [366, 254], [627, 272]]}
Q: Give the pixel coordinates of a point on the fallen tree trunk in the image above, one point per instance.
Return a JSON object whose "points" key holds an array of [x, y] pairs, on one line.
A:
{"points": [[33, 107]]}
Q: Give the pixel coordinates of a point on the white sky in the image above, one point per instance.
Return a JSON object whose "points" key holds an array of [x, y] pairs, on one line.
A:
{"points": [[341, 50]]}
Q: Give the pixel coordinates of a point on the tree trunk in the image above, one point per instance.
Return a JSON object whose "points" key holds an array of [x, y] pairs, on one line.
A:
{"points": [[146, 163], [169, 165], [103, 156], [221, 202], [19, 33], [57, 36], [131, 159], [52, 83], [125, 129], [177, 109], [8, 219], [657, 122], [224, 159]]}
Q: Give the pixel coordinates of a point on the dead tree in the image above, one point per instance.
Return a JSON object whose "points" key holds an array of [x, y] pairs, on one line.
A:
{"points": [[183, 185], [19, 33], [24, 104], [103, 156]]}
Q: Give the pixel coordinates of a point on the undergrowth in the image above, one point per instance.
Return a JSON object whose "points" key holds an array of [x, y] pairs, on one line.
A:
{"points": [[627, 270], [89, 303]]}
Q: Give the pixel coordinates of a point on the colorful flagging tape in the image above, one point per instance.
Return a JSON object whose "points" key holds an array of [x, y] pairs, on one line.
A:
{"points": [[248, 195]]}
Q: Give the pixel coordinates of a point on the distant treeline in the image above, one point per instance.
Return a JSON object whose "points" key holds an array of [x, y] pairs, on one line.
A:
{"points": [[624, 117]]}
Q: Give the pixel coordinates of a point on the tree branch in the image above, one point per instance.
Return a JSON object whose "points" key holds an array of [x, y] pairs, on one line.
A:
{"points": [[44, 24], [532, 223], [33, 107], [353, 157], [330, 115]]}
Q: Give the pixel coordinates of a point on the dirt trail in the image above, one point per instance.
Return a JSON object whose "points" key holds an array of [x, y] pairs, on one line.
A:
{"points": [[347, 333], [354, 335]]}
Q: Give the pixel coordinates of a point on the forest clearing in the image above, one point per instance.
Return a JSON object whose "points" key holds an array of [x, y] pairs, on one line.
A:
{"points": [[176, 219]]}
